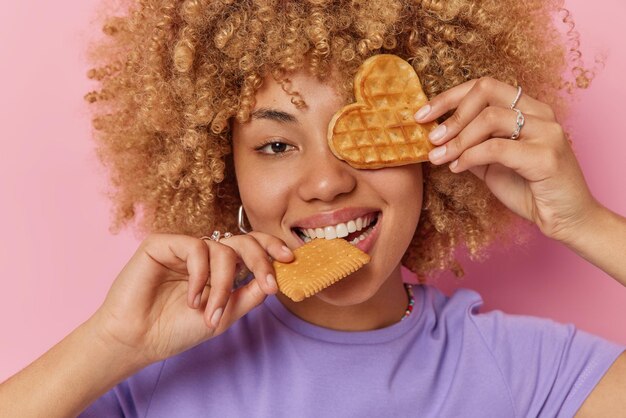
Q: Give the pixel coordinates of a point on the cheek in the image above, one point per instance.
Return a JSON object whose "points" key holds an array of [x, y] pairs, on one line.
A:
{"points": [[402, 192], [414, 194], [263, 195], [401, 187]]}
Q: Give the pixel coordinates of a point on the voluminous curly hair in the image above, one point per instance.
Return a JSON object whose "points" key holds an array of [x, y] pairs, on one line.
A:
{"points": [[172, 74]]}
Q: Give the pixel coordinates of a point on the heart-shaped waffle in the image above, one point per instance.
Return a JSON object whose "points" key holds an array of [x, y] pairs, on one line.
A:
{"points": [[379, 130]]}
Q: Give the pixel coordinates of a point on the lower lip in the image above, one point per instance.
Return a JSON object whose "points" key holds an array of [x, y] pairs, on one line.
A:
{"points": [[367, 244]]}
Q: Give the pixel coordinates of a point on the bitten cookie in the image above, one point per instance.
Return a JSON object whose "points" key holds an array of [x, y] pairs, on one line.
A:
{"points": [[317, 265]]}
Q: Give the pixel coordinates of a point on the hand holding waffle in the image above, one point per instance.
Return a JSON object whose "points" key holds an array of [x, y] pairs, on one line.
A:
{"points": [[537, 176]]}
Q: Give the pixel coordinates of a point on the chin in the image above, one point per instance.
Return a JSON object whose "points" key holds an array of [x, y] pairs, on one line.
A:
{"points": [[352, 290]]}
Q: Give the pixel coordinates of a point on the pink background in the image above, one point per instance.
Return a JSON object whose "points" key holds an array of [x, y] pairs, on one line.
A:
{"points": [[58, 258]]}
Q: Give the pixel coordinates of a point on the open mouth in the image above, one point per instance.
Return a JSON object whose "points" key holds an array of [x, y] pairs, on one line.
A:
{"points": [[353, 231]]}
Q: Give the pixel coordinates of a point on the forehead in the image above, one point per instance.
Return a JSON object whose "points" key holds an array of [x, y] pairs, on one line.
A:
{"points": [[298, 85]]}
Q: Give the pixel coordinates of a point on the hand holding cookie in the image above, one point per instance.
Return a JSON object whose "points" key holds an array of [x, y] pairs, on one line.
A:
{"points": [[537, 175], [177, 291]]}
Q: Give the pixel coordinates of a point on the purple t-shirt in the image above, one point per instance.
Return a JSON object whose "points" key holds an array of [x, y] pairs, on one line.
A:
{"points": [[444, 360]]}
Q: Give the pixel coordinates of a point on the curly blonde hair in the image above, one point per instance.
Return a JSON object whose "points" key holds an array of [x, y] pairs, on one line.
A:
{"points": [[172, 74]]}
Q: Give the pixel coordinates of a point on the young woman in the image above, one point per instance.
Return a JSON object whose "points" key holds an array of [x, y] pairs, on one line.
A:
{"points": [[209, 109]]}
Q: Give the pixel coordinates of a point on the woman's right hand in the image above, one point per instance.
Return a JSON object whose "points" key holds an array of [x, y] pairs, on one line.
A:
{"points": [[176, 291]]}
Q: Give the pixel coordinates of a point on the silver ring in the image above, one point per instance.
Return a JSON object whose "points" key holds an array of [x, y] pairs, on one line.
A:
{"points": [[519, 124], [217, 236], [517, 97]]}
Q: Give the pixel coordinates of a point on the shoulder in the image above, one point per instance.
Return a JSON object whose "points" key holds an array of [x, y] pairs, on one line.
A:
{"points": [[549, 367], [508, 340], [509, 337], [463, 308]]}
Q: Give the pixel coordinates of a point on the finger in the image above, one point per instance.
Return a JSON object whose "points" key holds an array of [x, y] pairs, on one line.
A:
{"points": [[185, 255], [501, 169], [170, 251], [198, 268], [242, 301], [255, 255], [223, 263], [469, 99], [275, 247], [532, 161], [491, 122]]}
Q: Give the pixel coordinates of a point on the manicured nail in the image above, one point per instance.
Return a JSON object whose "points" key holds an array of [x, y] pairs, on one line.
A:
{"points": [[271, 281], [215, 318], [437, 133], [286, 250], [453, 164], [196, 301], [422, 113], [437, 153]]}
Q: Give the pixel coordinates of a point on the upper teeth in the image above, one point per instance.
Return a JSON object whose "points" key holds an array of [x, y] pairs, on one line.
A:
{"points": [[340, 230]]}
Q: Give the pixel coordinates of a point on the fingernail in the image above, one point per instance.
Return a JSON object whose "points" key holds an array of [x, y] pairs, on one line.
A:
{"points": [[422, 113], [286, 250], [437, 153], [271, 282], [438, 133], [196, 301], [215, 318], [454, 163]]}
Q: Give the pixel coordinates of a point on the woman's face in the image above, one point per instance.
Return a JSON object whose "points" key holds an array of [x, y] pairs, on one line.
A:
{"points": [[291, 185]]}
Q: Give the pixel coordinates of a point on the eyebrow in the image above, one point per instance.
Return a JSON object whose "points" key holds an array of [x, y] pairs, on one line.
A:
{"points": [[275, 115]]}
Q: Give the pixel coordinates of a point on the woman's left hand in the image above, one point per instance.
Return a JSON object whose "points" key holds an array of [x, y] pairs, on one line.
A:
{"points": [[537, 176]]}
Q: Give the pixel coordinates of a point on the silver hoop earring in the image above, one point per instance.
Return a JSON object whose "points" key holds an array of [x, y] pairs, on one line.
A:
{"points": [[241, 221]]}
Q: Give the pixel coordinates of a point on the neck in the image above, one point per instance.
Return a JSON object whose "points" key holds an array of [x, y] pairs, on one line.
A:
{"points": [[385, 307]]}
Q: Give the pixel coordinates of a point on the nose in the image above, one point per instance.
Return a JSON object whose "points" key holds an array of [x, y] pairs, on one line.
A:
{"points": [[325, 177]]}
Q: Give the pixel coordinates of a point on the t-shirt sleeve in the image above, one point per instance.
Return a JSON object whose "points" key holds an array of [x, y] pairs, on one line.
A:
{"points": [[550, 368], [108, 405], [130, 398]]}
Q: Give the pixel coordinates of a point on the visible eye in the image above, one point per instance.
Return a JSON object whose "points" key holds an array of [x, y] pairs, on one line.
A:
{"points": [[275, 147]]}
